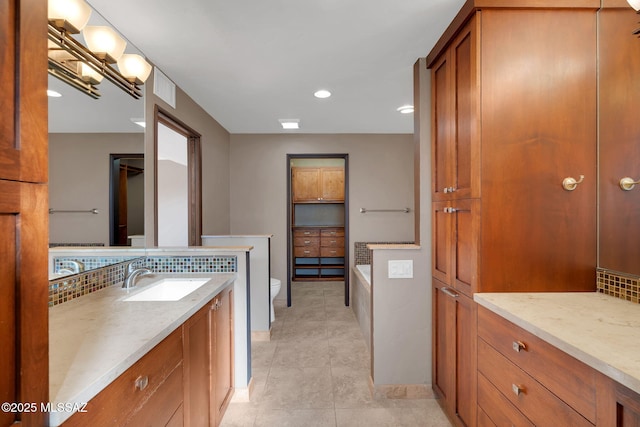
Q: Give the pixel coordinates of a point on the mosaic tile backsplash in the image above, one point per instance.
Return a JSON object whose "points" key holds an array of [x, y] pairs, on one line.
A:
{"points": [[619, 285], [362, 255], [70, 287]]}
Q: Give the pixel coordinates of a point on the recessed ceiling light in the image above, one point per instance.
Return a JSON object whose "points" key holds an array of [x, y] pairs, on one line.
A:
{"points": [[139, 122], [322, 93], [290, 123], [53, 94], [406, 109]]}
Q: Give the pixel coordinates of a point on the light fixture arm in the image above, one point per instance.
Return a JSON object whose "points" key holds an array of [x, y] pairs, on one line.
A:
{"points": [[64, 41]]}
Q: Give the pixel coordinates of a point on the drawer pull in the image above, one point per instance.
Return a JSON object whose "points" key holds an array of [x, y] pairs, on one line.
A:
{"points": [[519, 345], [333, 241], [306, 233], [307, 252], [142, 382], [449, 292], [306, 242], [517, 390]]}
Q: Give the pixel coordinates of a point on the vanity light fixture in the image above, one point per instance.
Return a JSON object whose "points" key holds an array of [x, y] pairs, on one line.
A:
{"points": [[83, 67], [322, 93], [405, 109], [289, 123]]}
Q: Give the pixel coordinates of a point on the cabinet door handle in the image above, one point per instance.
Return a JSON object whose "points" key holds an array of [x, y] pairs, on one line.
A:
{"points": [[519, 345], [450, 210], [142, 382], [450, 189], [517, 390], [449, 292]]}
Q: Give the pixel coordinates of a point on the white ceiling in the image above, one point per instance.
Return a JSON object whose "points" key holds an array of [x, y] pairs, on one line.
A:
{"points": [[249, 63]]}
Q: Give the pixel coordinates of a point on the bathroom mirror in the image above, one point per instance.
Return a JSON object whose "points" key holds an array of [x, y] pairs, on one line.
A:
{"points": [[84, 135]]}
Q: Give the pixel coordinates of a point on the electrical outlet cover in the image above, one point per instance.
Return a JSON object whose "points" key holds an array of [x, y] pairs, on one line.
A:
{"points": [[401, 269]]}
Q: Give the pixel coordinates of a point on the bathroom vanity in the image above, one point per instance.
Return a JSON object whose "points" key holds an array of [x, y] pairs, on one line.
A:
{"points": [[119, 362]]}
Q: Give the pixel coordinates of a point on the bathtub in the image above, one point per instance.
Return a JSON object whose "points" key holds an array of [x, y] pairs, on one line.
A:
{"points": [[361, 299], [365, 271]]}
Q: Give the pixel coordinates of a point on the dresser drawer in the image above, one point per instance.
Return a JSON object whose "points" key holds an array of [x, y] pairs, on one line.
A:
{"points": [[331, 252], [332, 242], [120, 400], [332, 232], [306, 241], [306, 252], [496, 407], [534, 401], [306, 232], [569, 379]]}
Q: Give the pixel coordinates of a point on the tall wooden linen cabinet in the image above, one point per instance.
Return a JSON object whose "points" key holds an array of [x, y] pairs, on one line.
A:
{"points": [[513, 117], [317, 229]]}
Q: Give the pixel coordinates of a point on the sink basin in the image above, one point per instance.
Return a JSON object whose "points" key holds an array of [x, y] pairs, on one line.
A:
{"points": [[168, 290]]}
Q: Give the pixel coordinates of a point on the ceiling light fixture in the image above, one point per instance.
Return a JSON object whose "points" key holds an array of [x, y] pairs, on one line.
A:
{"points": [[406, 109], [289, 123], [323, 93], [84, 67]]}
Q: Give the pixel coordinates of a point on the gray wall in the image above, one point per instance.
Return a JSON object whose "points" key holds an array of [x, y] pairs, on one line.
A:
{"points": [[380, 177], [79, 180]]}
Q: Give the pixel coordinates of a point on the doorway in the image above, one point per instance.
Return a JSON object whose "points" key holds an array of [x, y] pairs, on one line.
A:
{"points": [[317, 220], [178, 206], [126, 198]]}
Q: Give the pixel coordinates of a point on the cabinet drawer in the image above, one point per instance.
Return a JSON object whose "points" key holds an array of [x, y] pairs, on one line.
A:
{"points": [[497, 407], [308, 252], [331, 252], [332, 242], [569, 379], [306, 232], [538, 404], [332, 232], [120, 400], [306, 241]]}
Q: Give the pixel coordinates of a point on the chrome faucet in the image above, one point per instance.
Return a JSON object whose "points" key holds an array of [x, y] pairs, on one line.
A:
{"points": [[76, 266], [132, 274]]}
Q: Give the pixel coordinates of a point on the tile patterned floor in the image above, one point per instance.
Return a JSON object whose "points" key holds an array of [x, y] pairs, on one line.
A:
{"points": [[315, 371]]}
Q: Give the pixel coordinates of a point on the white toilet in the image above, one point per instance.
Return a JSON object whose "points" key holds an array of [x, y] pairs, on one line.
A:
{"points": [[275, 288]]}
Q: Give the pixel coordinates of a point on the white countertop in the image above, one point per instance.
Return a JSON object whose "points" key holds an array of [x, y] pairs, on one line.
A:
{"points": [[597, 329], [95, 338]]}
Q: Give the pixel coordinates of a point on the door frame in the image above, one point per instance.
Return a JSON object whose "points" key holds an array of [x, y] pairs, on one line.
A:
{"points": [[194, 170], [347, 274], [114, 192]]}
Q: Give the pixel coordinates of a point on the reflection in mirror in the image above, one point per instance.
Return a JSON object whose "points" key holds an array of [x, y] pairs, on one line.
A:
{"points": [[83, 133]]}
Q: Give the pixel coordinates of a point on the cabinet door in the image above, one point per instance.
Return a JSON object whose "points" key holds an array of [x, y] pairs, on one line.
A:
{"points": [[454, 349], [619, 130], [456, 119], [538, 128], [456, 231], [197, 357], [222, 365], [332, 185], [305, 184]]}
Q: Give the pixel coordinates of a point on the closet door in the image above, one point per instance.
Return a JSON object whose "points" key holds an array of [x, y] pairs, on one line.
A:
{"points": [[23, 209]]}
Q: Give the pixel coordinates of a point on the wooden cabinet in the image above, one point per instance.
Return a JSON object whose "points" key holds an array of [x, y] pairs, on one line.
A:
{"points": [[617, 405], [453, 335], [149, 393], [509, 123], [455, 147], [208, 366], [23, 210], [318, 253], [317, 184], [543, 384]]}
